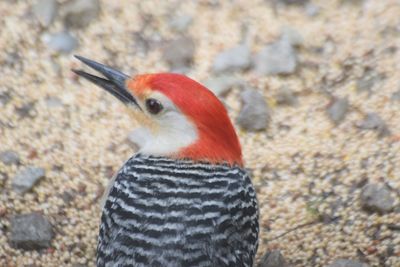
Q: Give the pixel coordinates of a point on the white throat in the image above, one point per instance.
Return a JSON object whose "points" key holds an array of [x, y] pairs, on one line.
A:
{"points": [[175, 132]]}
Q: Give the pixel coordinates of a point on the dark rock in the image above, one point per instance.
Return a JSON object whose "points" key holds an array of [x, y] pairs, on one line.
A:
{"points": [[377, 198], [31, 231], [45, 11], [179, 53], [221, 85], [255, 113], [80, 13], [25, 179], [9, 157], [373, 121], [276, 58], [180, 23], [68, 196], [286, 97], [347, 263], [337, 110], [26, 110], [273, 258], [5, 98], [234, 59], [62, 42]]}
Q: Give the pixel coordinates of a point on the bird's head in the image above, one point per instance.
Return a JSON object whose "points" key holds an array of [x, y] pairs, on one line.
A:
{"points": [[180, 118]]}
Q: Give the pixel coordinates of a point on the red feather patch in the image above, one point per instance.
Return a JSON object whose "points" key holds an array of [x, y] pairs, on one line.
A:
{"points": [[217, 141]]}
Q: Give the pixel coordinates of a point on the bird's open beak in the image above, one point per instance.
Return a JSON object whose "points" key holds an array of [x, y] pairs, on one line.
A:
{"points": [[114, 82]]}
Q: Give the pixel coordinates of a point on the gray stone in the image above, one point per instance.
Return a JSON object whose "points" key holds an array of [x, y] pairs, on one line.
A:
{"points": [[5, 98], [62, 42], [273, 258], [368, 80], [179, 53], [180, 23], [377, 198], [337, 110], [293, 2], [347, 263], [25, 179], [255, 113], [31, 231], [26, 110], [396, 96], [234, 59], [221, 85], [276, 58], [373, 121], [292, 36], [53, 102], [312, 10], [80, 13], [285, 97], [9, 157], [45, 11]]}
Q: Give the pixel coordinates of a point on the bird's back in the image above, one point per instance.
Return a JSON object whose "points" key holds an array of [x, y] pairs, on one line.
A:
{"points": [[166, 212]]}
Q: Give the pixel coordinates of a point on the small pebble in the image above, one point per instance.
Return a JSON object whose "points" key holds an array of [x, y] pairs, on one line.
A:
{"points": [[276, 58], [5, 97], [255, 113], [25, 179], [237, 58], [368, 80], [53, 102], [286, 97], [395, 96], [26, 110], [377, 198], [221, 85], [347, 263], [80, 13], [312, 10], [273, 258], [292, 36], [30, 231], [337, 110], [9, 157], [45, 11], [180, 23], [373, 121], [179, 53], [62, 42]]}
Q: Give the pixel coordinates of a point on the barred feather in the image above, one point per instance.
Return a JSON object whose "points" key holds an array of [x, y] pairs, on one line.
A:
{"points": [[167, 212]]}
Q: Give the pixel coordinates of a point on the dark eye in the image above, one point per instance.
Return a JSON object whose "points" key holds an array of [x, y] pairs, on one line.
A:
{"points": [[153, 106]]}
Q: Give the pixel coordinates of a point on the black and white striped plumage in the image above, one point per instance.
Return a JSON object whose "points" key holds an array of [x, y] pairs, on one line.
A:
{"points": [[167, 212]]}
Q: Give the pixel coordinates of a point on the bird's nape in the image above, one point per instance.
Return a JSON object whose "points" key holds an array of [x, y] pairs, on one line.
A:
{"points": [[114, 84]]}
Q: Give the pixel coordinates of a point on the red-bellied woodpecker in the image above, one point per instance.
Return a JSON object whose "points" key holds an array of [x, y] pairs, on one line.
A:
{"points": [[184, 199]]}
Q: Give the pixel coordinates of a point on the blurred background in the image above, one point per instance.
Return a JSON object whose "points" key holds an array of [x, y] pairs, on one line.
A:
{"points": [[313, 88]]}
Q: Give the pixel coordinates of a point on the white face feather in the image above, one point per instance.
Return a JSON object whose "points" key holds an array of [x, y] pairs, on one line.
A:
{"points": [[169, 131]]}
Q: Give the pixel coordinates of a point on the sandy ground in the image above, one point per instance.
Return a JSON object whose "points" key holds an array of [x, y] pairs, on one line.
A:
{"points": [[303, 165]]}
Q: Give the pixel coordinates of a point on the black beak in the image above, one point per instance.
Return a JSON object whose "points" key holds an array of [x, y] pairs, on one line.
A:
{"points": [[114, 84]]}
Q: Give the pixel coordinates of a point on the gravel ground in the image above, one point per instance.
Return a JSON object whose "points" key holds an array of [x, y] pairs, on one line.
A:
{"points": [[325, 162]]}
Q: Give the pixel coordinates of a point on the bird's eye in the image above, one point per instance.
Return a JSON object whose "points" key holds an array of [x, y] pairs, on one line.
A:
{"points": [[153, 106]]}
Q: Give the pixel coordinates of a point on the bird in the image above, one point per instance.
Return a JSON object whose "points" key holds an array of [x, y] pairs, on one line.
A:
{"points": [[185, 198]]}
